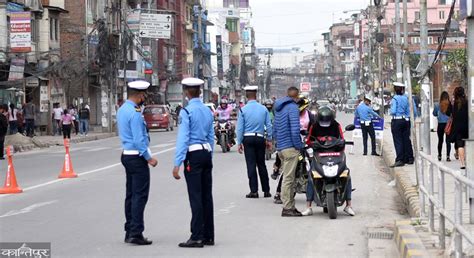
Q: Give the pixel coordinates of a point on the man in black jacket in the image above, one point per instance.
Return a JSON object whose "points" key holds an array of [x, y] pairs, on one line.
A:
{"points": [[3, 129]]}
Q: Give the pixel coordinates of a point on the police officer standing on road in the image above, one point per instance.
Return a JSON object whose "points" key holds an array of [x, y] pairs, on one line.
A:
{"points": [[194, 149], [400, 111], [365, 113], [135, 158], [253, 121]]}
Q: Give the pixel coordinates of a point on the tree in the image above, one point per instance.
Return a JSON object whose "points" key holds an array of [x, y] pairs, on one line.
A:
{"points": [[456, 65]]}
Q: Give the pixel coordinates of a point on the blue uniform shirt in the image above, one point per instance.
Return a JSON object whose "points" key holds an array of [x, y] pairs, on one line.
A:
{"points": [[254, 118], [194, 128], [365, 113], [401, 107], [132, 129]]}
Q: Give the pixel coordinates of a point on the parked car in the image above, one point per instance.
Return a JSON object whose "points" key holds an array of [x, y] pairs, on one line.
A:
{"points": [[351, 105], [158, 117]]}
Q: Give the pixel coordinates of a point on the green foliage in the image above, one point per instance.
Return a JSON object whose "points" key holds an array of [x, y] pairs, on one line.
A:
{"points": [[456, 64]]}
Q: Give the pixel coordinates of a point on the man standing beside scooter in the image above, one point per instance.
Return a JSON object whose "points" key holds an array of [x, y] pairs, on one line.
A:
{"points": [[289, 144]]}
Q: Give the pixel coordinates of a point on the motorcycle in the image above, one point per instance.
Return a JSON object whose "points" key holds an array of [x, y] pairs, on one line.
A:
{"points": [[223, 134], [330, 173]]}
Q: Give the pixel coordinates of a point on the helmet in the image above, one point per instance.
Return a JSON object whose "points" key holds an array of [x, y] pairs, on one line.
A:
{"points": [[268, 102], [224, 101], [325, 116], [303, 103]]}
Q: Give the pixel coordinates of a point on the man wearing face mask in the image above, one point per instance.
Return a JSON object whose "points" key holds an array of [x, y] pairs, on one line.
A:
{"points": [[136, 157]]}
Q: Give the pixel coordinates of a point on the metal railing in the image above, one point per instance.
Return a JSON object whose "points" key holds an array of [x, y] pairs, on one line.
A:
{"points": [[427, 167]]}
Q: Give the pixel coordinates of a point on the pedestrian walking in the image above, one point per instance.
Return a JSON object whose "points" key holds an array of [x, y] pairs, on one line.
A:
{"points": [[3, 130], [66, 124], [400, 111], [29, 114], [13, 119], [194, 148], [136, 158], [84, 116], [289, 143], [254, 134], [57, 114], [366, 114], [440, 111], [75, 118], [460, 124], [20, 121]]}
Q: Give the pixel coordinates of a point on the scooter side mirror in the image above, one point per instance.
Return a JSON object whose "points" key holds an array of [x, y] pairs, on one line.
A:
{"points": [[350, 127]]}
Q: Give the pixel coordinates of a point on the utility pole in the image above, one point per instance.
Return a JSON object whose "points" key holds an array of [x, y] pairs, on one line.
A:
{"points": [[425, 84], [470, 76], [398, 41]]}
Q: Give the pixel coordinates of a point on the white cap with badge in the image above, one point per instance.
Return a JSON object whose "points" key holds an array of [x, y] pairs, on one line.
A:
{"points": [[192, 82], [139, 85], [251, 88], [398, 84]]}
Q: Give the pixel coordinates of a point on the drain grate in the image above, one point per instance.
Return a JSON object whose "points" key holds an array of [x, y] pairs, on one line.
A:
{"points": [[380, 235]]}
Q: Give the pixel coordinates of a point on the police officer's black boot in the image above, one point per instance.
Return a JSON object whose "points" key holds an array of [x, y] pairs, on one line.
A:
{"points": [[192, 244], [139, 240]]}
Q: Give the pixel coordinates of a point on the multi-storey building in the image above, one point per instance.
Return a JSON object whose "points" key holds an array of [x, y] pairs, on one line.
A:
{"points": [[30, 55]]}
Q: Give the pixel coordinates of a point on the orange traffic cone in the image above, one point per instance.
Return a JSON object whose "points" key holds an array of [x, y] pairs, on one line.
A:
{"points": [[68, 171], [11, 186]]}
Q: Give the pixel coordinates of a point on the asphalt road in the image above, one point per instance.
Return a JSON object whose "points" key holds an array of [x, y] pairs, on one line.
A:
{"points": [[84, 216]]}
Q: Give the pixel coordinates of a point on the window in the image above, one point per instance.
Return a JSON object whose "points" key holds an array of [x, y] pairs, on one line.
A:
{"points": [[53, 29], [232, 25], [441, 15], [415, 40], [430, 40], [35, 30], [417, 15], [443, 2]]}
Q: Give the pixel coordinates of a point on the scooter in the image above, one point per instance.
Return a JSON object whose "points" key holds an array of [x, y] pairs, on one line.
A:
{"points": [[223, 134], [330, 173]]}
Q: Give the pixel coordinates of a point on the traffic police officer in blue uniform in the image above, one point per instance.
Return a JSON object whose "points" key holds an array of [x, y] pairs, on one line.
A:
{"points": [[194, 148], [400, 112], [136, 158], [253, 121], [365, 113]]}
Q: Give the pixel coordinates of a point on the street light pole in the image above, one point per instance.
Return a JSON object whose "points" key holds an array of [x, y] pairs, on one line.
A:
{"points": [[425, 84], [470, 143], [398, 41]]}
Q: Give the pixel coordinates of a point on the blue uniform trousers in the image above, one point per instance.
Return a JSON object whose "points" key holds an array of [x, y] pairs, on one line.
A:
{"points": [[198, 174], [254, 150], [138, 187], [401, 140]]}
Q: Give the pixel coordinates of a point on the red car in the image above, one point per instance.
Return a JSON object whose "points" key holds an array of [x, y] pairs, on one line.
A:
{"points": [[158, 117]]}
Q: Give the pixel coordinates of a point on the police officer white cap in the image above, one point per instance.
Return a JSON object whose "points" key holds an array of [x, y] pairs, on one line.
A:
{"points": [[192, 82], [139, 85], [398, 84], [251, 88], [368, 97]]}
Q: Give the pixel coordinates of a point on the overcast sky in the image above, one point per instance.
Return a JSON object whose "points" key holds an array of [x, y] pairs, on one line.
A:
{"points": [[297, 23]]}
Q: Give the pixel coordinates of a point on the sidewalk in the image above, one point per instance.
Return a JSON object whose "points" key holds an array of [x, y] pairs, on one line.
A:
{"points": [[22, 143], [406, 183]]}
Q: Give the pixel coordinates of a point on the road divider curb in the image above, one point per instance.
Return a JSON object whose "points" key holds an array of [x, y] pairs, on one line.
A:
{"points": [[403, 183], [407, 240]]}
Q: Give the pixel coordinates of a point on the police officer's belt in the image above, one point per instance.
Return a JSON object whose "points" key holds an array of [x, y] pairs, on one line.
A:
{"points": [[197, 147], [399, 117], [253, 134], [130, 152]]}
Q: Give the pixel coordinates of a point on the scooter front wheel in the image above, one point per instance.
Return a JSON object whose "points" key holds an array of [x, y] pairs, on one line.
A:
{"points": [[331, 202]]}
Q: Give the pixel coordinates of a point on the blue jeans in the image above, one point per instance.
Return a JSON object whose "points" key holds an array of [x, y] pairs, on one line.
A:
{"points": [[84, 126]]}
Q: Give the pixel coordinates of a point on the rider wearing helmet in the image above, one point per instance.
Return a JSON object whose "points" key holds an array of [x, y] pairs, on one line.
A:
{"points": [[224, 112], [269, 105], [327, 126]]}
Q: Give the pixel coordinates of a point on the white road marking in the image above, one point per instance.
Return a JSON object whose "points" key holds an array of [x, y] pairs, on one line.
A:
{"points": [[226, 210], [162, 145], [97, 149], [27, 209], [84, 173]]}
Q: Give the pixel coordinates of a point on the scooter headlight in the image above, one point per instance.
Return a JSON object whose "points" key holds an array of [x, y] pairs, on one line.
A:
{"points": [[330, 171]]}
